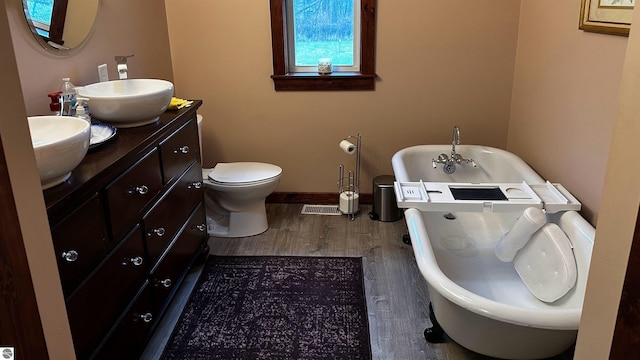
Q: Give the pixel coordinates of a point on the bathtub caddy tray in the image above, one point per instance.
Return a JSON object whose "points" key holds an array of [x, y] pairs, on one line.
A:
{"points": [[498, 197]]}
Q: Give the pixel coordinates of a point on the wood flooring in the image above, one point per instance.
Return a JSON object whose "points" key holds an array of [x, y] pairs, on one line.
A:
{"points": [[397, 296]]}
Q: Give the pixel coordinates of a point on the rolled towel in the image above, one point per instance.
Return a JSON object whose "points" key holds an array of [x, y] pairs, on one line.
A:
{"points": [[528, 223], [177, 103]]}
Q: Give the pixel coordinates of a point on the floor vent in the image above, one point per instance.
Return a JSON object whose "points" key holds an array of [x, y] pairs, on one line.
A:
{"points": [[320, 210]]}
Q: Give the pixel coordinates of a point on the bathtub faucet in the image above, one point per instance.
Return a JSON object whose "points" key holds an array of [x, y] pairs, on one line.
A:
{"points": [[455, 140], [449, 163]]}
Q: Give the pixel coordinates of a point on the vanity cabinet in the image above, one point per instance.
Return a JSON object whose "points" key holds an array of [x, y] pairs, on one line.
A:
{"points": [[127, 227], [74, 268], [164, 220], [133, 191], [117, 280]]}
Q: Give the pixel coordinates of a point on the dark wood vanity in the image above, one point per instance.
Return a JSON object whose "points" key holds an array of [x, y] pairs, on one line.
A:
{"points": [[127, 227]]}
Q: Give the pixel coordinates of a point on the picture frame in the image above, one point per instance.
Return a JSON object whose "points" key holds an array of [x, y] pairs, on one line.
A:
{"points": [[606, 16]]}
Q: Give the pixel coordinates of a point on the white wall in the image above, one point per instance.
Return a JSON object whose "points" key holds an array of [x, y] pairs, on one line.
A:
{"points": [[439, 64], [619, 209], [33, 223], [565, 94]]}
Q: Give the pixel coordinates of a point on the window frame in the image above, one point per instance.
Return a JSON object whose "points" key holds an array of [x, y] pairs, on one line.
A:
{"points": [[338, 80], [58, 17]]}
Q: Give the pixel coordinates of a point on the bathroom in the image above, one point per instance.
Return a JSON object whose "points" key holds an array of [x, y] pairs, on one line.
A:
{"points": [[521, 76]]}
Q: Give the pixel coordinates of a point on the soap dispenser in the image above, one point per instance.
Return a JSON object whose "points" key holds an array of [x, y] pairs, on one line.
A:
{"points": [[81, 109], [54, 106]]}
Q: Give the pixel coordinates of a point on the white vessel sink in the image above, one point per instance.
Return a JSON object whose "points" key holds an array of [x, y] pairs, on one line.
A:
{"points": [[59, 143], [128, 103]]}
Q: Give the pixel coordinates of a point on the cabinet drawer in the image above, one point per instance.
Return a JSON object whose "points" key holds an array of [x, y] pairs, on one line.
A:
{"points": [[128, 338], [176, 259], [80, 243], [162, 223], [95, 306], [132, 191], [179, 150]]}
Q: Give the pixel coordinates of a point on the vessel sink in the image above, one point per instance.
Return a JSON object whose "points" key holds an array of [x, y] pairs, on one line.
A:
{"points": [[128, 103], [59, 143]]}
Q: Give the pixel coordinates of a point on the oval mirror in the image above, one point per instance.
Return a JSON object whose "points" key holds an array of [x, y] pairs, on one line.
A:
{"points": [[60, 25]]}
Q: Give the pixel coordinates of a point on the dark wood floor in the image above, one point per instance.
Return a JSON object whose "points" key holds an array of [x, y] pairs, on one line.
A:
{"points": [[397, 296]]}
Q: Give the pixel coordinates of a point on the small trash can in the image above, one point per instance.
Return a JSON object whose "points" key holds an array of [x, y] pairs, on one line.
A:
{"points": [[384, 207]]}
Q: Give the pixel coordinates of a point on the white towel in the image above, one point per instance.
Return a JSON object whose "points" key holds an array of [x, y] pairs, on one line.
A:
{"points": [[531, 220]]}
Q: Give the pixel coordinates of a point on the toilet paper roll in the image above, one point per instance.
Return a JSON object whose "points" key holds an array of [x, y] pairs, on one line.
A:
{"points": [[531, 220], [348, 202], [347, 147]]}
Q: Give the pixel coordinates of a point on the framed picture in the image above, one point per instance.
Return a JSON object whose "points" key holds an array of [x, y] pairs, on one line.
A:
{"points": [[606, 16]]}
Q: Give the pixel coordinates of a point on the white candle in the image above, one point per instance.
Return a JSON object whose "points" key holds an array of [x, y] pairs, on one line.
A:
{"points": [[324, 66]]}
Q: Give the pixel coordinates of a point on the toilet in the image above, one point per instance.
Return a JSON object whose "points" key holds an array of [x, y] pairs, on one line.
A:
{"points": [[235, 196]]}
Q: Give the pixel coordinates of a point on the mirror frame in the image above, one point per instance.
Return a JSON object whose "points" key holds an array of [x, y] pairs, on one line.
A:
{"points": [[59, 12]]}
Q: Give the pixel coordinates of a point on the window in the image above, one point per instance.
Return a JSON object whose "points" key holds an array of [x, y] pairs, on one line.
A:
{"points": [[323, 29], [40, 14], [346, 34], [48, 18]]}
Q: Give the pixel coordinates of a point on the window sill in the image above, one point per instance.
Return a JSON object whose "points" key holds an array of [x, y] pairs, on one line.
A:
{"points": [[327, 82]]}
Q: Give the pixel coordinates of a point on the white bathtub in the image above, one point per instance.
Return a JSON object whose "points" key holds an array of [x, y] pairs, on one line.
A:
{"points": [[480, 301]]}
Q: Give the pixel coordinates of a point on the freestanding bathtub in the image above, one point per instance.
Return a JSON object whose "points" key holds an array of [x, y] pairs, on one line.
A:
{"points": [[478, 300]]}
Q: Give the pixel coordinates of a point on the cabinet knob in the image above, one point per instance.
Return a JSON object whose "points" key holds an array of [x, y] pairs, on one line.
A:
{"points": [[70, 256], [195, 185], [157, 231], [181, 150], [200, 227], [166, 282], [140, 190], [135, 261], [147, 317]]}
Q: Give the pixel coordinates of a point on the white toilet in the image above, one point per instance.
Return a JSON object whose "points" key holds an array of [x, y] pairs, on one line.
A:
{"points": [[235, 196]]}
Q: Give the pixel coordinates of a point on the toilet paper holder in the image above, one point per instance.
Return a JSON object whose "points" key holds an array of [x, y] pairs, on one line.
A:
{"points": [[349, 186]]}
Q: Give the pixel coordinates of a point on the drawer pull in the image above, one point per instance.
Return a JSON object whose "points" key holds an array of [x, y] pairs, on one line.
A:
{"points": [[166, 282], [70, 256], [135, 261], [148, 317], [195, 185], [181, 150], [157, 232], [200, 227], [140, 190]]}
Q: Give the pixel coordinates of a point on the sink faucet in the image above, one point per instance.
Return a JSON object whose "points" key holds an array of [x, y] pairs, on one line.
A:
{"points": [[449, 163], [122, 66]]}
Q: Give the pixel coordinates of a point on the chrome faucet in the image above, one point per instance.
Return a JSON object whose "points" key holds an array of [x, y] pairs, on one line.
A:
{"points": [[449, 163], [123, 71], [455, 140]]}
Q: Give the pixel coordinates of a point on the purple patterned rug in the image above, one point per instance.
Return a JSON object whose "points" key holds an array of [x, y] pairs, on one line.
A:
{"points": [[280, 308]]}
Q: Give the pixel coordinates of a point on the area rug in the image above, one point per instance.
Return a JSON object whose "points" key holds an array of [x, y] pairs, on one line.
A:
{"points": [[276, 308]]}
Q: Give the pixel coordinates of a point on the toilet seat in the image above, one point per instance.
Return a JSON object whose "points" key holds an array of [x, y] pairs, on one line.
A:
{"points": [[243, 173]]}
